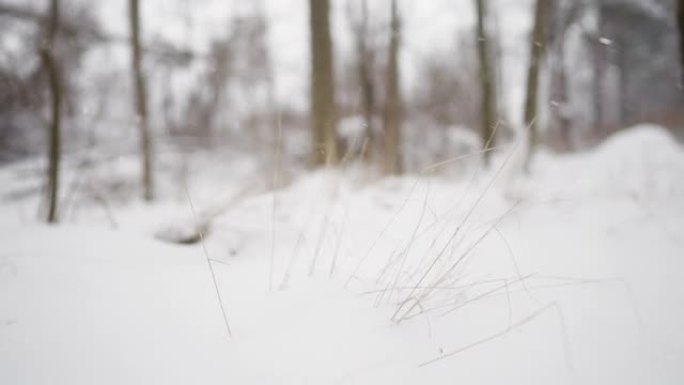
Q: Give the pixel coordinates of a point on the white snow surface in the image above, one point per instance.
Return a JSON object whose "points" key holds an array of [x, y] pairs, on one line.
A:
{"points": [[569, 276]]}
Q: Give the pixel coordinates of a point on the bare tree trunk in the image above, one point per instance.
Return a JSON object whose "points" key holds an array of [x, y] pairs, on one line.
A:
{"points": [[680, 24], [497, 55], [393, 107], [140, 101], [537, 44], [274, 109], [597, 88], [47, 53], [365, 68], [486, 83], [323, 109], [560, 92], [623, 99], [599, 64], [560, 15]]}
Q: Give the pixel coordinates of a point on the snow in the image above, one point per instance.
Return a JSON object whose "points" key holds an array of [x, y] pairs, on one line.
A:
{"points": [[639, 163], [605, 41], [576, 279]]}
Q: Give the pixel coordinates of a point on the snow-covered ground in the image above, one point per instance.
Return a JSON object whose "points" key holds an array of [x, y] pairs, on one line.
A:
{"points": [[572, 275]]}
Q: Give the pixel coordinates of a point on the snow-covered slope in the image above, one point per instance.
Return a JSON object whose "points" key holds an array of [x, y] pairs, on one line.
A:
{"points": [[335, 280]]}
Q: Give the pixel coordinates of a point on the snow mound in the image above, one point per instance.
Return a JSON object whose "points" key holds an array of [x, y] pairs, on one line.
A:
{"points": [[646, 142], [642, 162]]}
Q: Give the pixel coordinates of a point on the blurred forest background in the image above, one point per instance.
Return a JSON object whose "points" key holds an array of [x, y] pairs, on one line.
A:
{"points": [[395, 85]]}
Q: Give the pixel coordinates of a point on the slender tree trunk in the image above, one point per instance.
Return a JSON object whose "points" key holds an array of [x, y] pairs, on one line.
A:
{"points": [[47, 53], [537, 46], [486, 83], [393, 107], [597, 88], [680, 24], [560, 91], [140, 102], [497, 56], [624, 81], [561, 14], [274, 109], [365, 68], [323, 109], [599, 64]]}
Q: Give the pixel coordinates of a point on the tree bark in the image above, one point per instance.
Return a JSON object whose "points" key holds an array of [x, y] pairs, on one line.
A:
{"points": [[365, 68], [140, 102], [560, 92], [486, 83], [393, 107], [323, 119], [47, 53], [680, 24], [537, 47], [599, 64]]}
